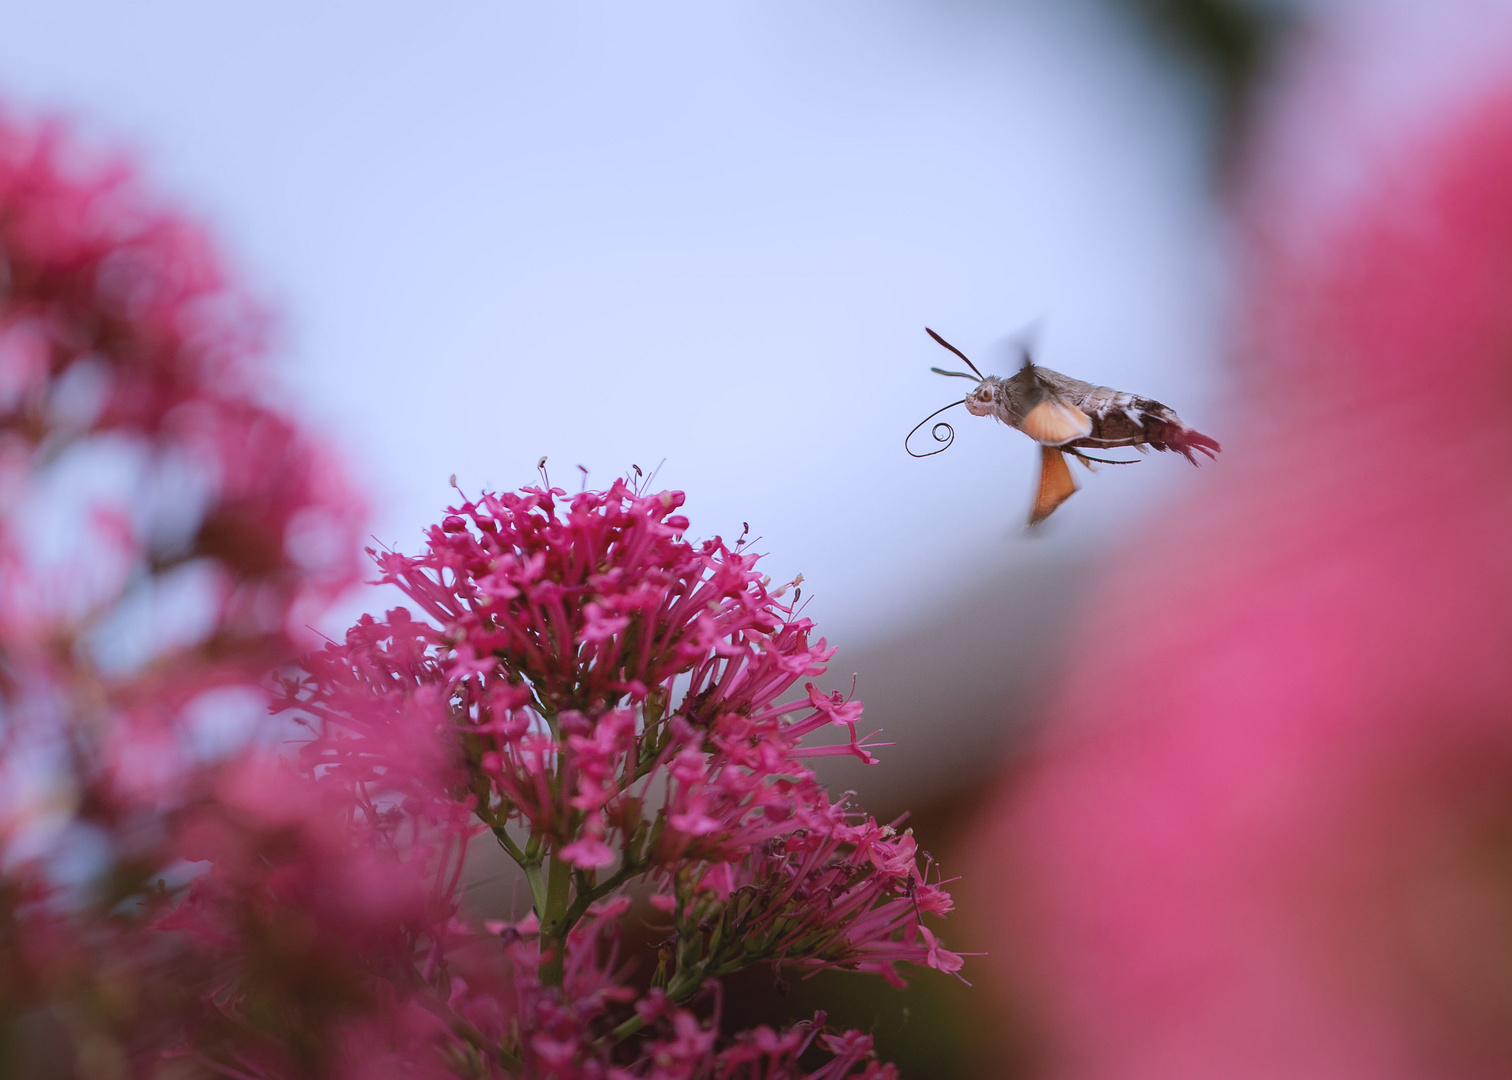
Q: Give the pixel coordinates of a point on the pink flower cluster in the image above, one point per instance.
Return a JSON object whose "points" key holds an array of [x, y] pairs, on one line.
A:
{"points": [[315, 933], [608, 700], [163, 532], [566, 1032], [611, 703]]}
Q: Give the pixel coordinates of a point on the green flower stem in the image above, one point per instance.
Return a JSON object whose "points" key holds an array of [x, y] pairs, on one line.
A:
{"points": [[553, 916], [532, 870], [586, 897], [558, 889], [679, 990], [507, 843]]}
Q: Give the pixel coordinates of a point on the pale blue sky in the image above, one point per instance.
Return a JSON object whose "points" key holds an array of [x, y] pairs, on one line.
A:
{"points": [[705, 232]]}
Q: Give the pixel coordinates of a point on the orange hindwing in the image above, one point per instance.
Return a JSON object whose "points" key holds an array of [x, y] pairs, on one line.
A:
{"points": [[1055, 484]]}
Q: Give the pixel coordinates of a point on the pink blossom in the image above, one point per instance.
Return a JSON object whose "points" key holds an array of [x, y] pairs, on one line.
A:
{"points": [[131, 418], [292, 876], [718, 879], [589, 853], [675, 662], [936, 957]]}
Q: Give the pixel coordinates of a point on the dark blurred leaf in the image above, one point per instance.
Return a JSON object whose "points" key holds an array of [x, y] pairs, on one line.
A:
{"points": [[1230, 41]]}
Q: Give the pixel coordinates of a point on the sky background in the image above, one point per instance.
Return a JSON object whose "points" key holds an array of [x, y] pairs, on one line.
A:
{"points": [[705, 233]]}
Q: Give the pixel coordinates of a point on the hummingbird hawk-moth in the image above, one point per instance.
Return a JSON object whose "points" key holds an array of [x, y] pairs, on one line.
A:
{"points": [[1065, 416]]}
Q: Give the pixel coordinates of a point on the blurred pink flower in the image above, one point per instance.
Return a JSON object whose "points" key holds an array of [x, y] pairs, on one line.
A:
{"points": [[165, 534], [311, 924], [1269, 829]]}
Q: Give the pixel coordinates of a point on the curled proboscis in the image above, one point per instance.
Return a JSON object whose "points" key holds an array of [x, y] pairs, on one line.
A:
{"points": [[941, 433]]}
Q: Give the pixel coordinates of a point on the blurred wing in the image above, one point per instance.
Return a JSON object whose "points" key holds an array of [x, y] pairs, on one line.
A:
{"points": [[1053, 422], [1055, 484], [1013, 349]]}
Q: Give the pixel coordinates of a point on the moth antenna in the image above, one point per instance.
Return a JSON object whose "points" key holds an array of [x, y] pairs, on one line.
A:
{"points": [[955, 374], [941, 341], [947, 438]]}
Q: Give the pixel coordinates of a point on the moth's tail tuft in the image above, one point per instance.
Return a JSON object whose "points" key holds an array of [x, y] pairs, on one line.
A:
{"points": [[1181, 439]]}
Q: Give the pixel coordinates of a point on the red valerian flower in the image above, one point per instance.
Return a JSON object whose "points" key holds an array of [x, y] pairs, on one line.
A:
{"points": [[572, 718], [165, 534], [568, 1031], [618, 702], [312, 921]]}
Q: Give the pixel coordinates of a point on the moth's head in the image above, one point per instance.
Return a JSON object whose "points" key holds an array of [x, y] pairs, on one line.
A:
{"points": [[981, 400]]}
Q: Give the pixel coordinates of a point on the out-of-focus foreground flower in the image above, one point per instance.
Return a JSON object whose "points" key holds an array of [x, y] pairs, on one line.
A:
{"points": [[162, 537], [1270, 829], [180, 896]]}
